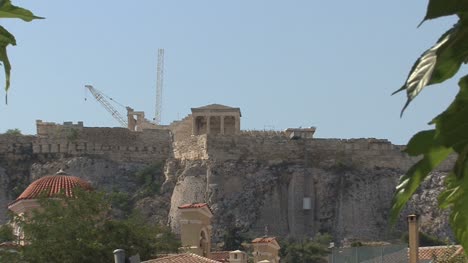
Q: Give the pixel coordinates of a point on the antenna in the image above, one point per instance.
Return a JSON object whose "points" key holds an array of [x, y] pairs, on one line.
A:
{"points": [[159, 86]]}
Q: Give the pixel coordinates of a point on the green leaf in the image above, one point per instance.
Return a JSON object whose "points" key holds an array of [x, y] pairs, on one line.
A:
{"points": [[7, 10], [6, 38], [455, 196], [421, 73], [419, 143], [434, 154], [439, 63], [439, 8], [452, 124]]}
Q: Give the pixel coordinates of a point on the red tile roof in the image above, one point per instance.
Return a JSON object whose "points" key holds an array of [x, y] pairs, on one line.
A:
{"points": [[194, 205], [264, 240], [52, 185], [182, 258], [221, 256], [440, 252]]}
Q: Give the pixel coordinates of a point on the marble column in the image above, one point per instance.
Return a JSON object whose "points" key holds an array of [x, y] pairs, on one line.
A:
{"points": [[237, 124], [194, 125]]}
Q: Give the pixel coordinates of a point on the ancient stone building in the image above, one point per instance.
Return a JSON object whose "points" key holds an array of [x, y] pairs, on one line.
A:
{"points": [[215, 119], [137, 121]]}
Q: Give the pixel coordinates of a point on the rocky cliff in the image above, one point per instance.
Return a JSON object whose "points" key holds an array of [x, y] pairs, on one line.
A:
{"points": [[293, 187]]}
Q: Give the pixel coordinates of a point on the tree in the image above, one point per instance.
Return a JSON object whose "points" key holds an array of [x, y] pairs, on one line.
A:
{"points": [[7, 10], [450, 135], [233, 238], [81, 229], [6, 233], [13, 132], [306, 251]]}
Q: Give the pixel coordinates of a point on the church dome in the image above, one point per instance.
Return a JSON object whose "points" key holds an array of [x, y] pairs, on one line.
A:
{"points": [[53, 185]]}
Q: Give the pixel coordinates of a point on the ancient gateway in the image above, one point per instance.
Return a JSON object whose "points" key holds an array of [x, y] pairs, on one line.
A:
{"points": [[289, 181]]}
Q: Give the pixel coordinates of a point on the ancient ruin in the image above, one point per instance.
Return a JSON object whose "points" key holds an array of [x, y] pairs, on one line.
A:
{"points": [[295, 184], [215, 119]]}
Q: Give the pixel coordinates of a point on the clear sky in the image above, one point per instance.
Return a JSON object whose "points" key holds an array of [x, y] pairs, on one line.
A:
{"points": [[329, 64]]}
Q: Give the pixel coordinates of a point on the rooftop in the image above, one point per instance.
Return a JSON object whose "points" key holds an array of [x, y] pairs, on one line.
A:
{"points": [[182, 258], [53, 185]]}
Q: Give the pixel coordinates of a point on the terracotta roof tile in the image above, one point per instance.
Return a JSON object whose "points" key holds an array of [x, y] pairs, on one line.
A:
{"points": [[52, 185], [264, 240], [182, 258], [429, 253], [194, 205], [221, 256]]}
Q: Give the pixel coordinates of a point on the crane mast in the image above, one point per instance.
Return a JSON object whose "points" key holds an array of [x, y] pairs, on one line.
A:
{"points": [[101, 98], [159, 86]]}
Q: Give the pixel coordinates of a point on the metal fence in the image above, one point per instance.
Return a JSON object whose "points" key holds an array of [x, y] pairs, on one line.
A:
{"points": [[374, 254]]}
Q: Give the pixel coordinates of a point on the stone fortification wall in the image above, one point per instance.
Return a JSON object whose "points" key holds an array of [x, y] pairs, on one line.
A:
{"points": [[182, 129], [15, 146], [118, 144], [328, 152], [191, 148]]}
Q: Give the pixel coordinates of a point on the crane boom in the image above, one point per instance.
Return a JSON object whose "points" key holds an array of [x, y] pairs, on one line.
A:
{"points": [[101, 98], [159, 86]]}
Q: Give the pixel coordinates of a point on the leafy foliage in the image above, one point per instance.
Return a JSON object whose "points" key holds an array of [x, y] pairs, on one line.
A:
{"points": [[13, 131], [150, 179], [6, 233], [233, 238], [307, 251], [81, 229], [7, 10], [450, 135]]}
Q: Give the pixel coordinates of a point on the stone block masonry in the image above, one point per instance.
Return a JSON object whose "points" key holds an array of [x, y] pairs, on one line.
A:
{"points": [[364, 153], [117, 144]]}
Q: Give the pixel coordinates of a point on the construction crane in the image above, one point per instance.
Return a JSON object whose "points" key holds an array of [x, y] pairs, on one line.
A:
{"points": [[159, 86], [101, 98]]}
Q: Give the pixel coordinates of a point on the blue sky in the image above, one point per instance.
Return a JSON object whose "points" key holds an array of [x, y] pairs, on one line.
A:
{"points": [[329, 64]]}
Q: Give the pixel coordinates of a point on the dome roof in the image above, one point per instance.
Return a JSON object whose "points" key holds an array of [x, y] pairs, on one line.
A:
{"points": [[52, 185]]}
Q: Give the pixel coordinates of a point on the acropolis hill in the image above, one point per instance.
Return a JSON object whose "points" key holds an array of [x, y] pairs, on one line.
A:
{"points": [[293, 183]]}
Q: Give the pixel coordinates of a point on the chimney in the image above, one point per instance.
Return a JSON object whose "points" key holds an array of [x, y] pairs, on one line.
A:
{"points": [[413, 233], [119, 256]]}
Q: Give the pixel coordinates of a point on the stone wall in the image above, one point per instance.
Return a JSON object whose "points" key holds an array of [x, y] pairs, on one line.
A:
{"points": [[117, 144], [15, 145], [182, 129], [15, 161], [191, 148], [327, 152]]}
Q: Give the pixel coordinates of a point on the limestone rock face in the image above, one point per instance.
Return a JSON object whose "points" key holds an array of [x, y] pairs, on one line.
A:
{"points": [[253, 180], [346, 203], [103, 174], [424, 203]]}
